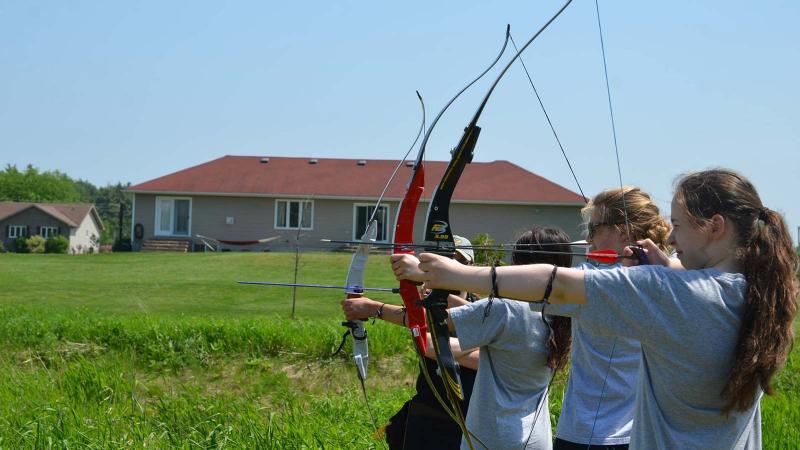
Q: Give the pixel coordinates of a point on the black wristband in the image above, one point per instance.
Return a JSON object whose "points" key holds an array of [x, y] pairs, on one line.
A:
{"points": [[493, 293], [549, 288], [379, 314]]}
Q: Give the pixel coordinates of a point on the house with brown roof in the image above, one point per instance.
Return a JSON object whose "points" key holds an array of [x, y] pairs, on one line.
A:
{"points": [[79, 222], [246, 198]]}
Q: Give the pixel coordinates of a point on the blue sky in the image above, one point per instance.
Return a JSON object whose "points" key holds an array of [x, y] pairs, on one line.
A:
{"points": [[129, 91]]}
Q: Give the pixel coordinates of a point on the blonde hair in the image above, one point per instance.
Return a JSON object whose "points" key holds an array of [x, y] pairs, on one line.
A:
{"points": [[632, 207]]}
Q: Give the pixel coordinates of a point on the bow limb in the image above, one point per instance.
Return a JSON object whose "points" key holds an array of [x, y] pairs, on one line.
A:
{"points": [[355, 281], [404, 225], [355, 288], [403, 237], [355, 274]]}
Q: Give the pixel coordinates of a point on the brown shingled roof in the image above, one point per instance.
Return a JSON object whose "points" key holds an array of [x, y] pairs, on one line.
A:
{"points": [[71, 214], [493, 182]]}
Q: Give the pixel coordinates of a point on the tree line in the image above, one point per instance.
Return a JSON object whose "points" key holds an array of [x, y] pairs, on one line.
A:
{"points": [[33, 185]]}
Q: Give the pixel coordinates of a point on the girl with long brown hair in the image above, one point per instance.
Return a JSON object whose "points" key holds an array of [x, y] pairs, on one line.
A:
{"points": [[714, 328], [518, 352]]}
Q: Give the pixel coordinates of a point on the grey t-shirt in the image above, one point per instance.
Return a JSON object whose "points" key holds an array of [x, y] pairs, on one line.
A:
{"points": [[688, 325], [598, 403], [512, 374]]}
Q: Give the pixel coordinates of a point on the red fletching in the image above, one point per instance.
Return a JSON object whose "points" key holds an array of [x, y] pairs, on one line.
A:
{"points": [[604, 256]]}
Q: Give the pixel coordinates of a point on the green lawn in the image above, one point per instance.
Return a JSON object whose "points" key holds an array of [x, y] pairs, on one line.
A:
{"points": [[196, 284], [167, 351]]}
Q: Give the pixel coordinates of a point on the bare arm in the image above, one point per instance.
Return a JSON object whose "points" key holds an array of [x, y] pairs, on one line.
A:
{"points": [[526, 283], [361, 308], [467, 358]]}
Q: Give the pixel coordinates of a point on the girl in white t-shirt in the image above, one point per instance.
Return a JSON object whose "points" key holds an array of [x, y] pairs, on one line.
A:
{"points": [[597, 410]]}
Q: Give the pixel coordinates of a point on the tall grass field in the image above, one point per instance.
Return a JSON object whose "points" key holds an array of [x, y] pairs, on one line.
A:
{"points": [[167, 351]]}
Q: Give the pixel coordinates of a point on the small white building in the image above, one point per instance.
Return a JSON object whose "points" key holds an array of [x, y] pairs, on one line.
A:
{"points": [[79, 222]]}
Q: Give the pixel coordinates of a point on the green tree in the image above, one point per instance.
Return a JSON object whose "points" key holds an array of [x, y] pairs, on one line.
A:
{"points": [[109, 200], [487, 257], [35, 186], [86, 190]]}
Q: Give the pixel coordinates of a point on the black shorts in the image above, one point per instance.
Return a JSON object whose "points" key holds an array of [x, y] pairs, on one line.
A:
{"points": [[421, 426]]}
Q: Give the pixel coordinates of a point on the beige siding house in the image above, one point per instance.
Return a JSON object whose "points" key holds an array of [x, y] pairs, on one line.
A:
{"points": [[240, 199], [79, 222]]}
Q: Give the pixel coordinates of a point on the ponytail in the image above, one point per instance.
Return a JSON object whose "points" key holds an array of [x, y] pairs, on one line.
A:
{"points": [[765, 249], [767, 333]]}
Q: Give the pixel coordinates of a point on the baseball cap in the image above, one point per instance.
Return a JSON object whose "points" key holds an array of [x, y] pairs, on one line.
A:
{"points": [[467, 253]]}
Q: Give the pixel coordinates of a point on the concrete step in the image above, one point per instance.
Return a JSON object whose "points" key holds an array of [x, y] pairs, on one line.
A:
{"points": [[166, 245]]}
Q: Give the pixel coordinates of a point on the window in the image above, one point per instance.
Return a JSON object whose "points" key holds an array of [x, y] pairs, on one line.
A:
{"points": [[294, 214], [173, 216], [48, 232], [15, 231], [362, 215]]}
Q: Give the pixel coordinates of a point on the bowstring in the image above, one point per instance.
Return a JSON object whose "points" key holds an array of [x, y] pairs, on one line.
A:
{"points": [[547, 116], [544, 399], [622, 190]]}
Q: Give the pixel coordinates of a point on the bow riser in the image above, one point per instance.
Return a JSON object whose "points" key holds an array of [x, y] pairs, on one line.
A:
{"points": [[438, 232], [404, 235]]}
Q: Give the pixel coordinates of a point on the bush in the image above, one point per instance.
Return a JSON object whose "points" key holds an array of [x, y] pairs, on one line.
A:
{"points": [[487, 257], [35, 244], [2, 247], [21, 244], [56, 244]]}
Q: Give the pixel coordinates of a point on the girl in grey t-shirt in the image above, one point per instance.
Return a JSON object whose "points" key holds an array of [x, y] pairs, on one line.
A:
{"points": [[520, 351], [598, 404], [714, 327]]}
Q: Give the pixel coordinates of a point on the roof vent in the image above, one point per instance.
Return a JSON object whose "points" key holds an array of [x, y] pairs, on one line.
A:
{"points": [[409, 163], [313, 161], [264, 160], [362, 162]]}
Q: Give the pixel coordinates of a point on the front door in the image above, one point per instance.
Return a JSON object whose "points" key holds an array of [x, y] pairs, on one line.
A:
{"points": [[173, 216]]}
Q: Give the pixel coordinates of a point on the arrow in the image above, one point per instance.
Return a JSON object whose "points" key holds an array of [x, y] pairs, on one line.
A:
{"points": [[319, 286]]}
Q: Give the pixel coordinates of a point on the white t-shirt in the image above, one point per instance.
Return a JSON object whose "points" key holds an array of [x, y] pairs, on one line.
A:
{"points": [[510, 387], [598, 402]]}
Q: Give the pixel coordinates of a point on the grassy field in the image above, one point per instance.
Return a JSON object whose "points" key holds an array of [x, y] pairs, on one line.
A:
{"points": [[167, 351]]}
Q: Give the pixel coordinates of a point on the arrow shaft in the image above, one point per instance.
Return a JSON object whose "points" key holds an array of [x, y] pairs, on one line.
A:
{"points": [[321, 286]]}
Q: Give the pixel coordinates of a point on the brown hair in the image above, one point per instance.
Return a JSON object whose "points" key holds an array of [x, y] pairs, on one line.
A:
{"points": [[765, 249], [541, 239], [634, 208]]}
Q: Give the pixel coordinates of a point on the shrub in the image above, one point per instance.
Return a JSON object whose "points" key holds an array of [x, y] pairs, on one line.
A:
{"points": [[56, 244], [21, 244], [487, 257], [35, 244], [2, 247]]}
